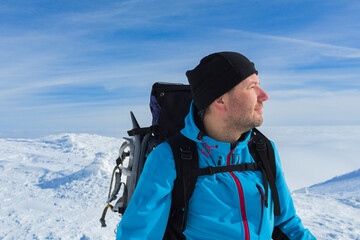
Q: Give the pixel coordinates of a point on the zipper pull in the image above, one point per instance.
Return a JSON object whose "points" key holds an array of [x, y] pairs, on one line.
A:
{"points": [[219, 162]]}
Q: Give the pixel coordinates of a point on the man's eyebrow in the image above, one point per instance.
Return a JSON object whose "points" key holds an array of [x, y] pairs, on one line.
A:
{"points": [[254, 82]]}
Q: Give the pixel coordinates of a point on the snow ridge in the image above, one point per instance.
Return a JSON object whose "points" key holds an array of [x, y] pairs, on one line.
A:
{"points": [[353, 177]]}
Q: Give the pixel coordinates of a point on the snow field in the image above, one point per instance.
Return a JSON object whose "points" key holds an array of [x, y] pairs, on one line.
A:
{"points": [[328, 217], [56, 188]]}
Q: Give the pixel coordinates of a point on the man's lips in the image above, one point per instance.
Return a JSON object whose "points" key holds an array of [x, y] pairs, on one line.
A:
{"points": [[259, 108]]}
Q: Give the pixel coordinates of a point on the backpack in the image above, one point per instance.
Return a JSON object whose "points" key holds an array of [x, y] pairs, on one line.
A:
{"points": [[169, 104]]}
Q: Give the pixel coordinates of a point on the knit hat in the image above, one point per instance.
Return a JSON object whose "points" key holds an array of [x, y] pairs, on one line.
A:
{"points": [[217, 74]]}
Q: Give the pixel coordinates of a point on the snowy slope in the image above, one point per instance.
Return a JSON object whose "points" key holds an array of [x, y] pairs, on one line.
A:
{"points": [[345, 186], [56, 187], [332, 208]]}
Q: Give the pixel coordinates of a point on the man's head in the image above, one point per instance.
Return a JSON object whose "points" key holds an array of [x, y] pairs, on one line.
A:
{"points": [[217, 74], [227, 86]]}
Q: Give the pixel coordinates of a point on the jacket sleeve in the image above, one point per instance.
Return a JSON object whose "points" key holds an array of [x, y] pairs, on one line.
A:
{"points": [[147, 214], [288, 225]]}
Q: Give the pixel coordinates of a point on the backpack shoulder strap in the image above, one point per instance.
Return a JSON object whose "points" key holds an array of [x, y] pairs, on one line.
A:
{"points": [[262, 151], [186, 159]]}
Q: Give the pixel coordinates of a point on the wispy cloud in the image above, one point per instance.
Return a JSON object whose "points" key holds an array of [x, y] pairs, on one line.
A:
{"points": [[297, 45], [322, 48]]}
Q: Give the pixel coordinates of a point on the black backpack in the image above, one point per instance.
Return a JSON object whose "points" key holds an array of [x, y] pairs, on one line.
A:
{"points": [[169, 104]]}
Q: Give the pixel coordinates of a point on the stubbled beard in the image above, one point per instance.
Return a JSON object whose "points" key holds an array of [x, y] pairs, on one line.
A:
{"points": [[243, 123]]}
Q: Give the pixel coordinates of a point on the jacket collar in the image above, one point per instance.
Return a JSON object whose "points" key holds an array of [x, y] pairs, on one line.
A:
{"points": [[191, 131]]}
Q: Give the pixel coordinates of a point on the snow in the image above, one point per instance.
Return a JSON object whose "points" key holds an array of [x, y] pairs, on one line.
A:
{"points": [[56, 187], [337, 203]]}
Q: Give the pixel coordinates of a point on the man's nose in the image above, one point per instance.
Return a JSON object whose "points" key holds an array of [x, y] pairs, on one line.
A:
{"points": [[263, 96]]}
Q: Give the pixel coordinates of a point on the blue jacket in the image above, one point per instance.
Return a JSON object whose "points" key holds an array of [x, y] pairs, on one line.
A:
{"points": [[223, 205]]}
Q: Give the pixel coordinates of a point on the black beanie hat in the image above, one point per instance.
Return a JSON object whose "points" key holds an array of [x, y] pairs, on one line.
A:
{"points": [[217, 74]]}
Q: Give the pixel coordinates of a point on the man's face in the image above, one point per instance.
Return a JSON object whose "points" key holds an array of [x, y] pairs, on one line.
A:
{"points": [[245, 103]]}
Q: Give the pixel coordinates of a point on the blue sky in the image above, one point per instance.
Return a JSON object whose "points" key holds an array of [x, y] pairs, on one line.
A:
{"points": [[81, 66]]}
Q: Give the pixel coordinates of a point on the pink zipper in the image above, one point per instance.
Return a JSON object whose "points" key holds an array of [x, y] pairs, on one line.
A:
{"points": [[241, 197]]}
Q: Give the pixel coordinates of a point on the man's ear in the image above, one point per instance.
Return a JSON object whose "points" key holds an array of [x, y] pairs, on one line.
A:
{"points": [[219, 104]]}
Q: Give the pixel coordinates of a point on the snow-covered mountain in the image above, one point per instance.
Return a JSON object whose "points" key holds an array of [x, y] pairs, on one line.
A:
{"points": [[346, 186], [56, 187], [332, 209]]}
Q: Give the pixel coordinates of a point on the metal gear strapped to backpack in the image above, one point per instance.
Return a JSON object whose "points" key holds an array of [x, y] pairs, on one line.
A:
{"points": [[169, 104]]}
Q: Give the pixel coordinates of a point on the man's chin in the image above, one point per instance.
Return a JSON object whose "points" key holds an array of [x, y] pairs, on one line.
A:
{"points": [[258, 122]]}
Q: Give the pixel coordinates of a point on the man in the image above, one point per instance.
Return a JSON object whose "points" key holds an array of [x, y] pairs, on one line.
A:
{"points": [[227, 105]]}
